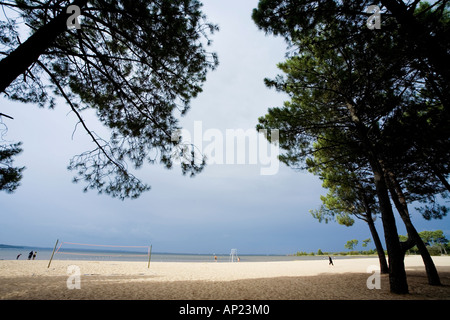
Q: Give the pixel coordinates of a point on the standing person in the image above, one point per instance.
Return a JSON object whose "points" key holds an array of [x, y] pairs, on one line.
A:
{"points": [[30, 255], [34, 255], [330, 261]]}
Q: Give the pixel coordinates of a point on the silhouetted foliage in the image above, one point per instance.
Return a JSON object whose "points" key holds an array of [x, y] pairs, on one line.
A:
{"points": [[137, 63], [10, 176]]}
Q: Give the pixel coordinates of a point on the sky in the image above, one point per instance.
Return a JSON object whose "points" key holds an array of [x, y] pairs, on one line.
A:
{"points": [[227, 206]]}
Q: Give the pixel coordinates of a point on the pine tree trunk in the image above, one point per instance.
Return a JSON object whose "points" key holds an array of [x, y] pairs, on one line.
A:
{"points": [[384, 268], [432, 274], [443, 180], [26, 54], [397, 273], [402, 207]]}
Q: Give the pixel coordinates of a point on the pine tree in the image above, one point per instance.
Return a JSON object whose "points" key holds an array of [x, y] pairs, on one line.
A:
{"points": [[137, 63], [353, 88]]}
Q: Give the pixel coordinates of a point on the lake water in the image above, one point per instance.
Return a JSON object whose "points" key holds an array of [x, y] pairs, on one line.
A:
{"points": [[142, 255]]}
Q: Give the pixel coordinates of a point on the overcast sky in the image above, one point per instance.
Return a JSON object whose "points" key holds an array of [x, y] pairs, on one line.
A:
{"points": [[226, 206]]}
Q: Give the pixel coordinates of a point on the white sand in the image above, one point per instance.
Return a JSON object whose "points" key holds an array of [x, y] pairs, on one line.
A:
{"points": [[175, 280], [209, 271]]}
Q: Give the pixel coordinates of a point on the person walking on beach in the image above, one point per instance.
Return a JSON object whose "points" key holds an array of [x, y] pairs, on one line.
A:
{"points": [[330, 261], [30, 255], [34, 255]]}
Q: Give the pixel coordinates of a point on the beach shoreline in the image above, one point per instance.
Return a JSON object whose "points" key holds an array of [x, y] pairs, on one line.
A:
{"points": [[286, 280]]}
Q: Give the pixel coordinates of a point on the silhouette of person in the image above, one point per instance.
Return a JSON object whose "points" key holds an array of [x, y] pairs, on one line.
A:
{"points": [[17, 258], [30, 255], [34, 255], [330, 261]]}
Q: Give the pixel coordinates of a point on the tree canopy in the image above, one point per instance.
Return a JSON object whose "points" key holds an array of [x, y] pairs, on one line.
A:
{"points": [[10, 176], [137, 63], [351, 244]]}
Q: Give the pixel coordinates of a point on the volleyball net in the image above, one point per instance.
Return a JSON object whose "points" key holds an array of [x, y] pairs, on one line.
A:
{"points": [[87, 251]]}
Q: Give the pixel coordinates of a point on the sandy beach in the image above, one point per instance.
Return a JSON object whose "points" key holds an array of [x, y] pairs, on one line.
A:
{"points": [[287, 280]]}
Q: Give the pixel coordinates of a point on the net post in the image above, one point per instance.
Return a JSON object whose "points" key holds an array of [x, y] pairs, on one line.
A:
{"points": [[51, 258], [149, 256]]}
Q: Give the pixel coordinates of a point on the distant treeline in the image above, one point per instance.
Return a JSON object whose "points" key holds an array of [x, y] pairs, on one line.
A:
{"points": [[435, 241], [341, 253], [433, 250]]}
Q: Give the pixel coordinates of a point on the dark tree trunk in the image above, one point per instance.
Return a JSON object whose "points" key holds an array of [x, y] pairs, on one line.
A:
{"points": [[402, 207], [397, 273], [27, 53], [443, 180], [384, 268]]}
